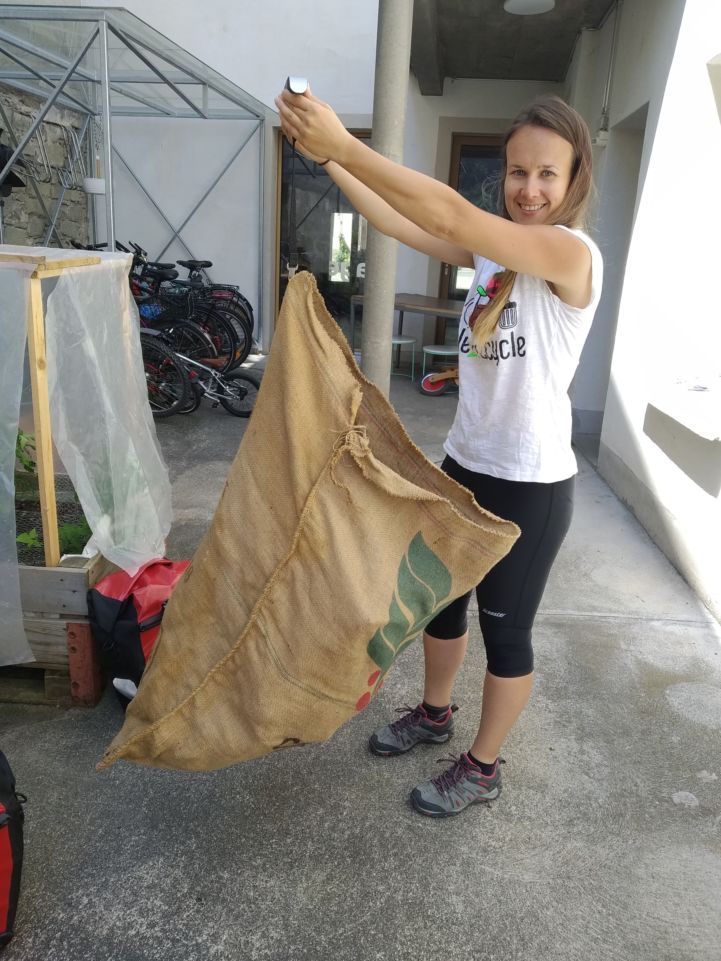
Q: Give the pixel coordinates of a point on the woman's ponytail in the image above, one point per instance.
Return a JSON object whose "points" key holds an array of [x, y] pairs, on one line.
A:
{"points": [[488, 317]]}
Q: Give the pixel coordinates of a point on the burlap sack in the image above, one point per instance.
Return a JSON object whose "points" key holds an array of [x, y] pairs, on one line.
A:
{"points": [[334, 543]]}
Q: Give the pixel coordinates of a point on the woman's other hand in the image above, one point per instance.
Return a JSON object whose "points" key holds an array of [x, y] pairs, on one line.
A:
{"points": [[312, 125]]}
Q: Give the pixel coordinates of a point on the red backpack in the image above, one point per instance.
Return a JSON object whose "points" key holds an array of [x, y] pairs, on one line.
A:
{"points": [[11, 849], [125, 614]]}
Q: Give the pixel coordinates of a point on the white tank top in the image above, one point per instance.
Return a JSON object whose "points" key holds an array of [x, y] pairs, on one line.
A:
{"points": [[514, 413]]}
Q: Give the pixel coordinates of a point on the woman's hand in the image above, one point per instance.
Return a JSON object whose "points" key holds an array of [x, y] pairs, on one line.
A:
{"points": [[312, 125]]}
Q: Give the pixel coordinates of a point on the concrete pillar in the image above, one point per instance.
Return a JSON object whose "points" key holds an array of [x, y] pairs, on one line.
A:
{"points": [[393, 50]]}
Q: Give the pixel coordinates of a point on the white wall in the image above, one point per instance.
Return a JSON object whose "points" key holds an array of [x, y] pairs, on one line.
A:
{"points": [[657, 445], [225, 228], [256, 45]]}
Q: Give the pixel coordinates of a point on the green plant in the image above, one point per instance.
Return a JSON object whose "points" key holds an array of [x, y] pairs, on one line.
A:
{"points": [[25, 452], [30, 539], [73, 538], [342, 254]]}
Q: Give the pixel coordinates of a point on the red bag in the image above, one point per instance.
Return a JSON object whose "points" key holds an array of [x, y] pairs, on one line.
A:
{"points": [[125, 615], [11, 849]]}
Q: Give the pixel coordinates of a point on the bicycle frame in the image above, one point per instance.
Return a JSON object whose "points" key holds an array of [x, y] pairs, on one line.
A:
{"points": [[208, 390]]}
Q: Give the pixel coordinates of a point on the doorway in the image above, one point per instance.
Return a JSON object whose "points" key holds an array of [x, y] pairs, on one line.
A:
{"points": [[330, 235], [475, 173]]}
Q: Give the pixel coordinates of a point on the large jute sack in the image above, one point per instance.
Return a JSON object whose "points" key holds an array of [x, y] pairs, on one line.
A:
{"points": [[335, 541]]}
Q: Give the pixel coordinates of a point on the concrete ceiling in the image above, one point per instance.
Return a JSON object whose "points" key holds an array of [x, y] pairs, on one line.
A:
{"points": [[477, 39]]}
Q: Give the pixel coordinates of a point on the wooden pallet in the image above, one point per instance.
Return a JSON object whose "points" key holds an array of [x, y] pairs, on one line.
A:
{"points": [[66, 670]]}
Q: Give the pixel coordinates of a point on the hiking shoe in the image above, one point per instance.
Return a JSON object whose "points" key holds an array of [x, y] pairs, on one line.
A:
{"points": [[415, 727], [461, 785]]}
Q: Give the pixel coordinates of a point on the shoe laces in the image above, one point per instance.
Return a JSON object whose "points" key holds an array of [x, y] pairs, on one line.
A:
{"points": [[459, 769], [411, 716], [454, 774]]}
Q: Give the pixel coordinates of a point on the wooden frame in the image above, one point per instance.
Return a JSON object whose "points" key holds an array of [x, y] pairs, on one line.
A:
{"points": [[44, 268], [54, 597]]}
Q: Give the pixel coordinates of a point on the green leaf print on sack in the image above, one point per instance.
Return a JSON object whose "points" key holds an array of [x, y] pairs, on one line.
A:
{"points": [[422, 589]]}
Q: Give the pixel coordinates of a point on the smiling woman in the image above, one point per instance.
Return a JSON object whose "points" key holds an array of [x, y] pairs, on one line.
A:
{"points": [[536, 283], [538, 172], [547, 174]]}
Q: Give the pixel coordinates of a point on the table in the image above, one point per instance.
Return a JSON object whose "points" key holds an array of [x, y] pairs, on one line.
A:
{"points": [[415, 304]]}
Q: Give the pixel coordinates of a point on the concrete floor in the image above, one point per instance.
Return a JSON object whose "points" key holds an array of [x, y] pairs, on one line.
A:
{"points": [[605, 845]]}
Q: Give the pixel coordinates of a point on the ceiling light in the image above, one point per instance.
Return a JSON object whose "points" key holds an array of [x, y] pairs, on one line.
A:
{"points": [[528, 7]]}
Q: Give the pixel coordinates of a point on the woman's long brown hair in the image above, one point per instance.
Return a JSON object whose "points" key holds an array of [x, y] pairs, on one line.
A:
{"points": [[554, 114]]}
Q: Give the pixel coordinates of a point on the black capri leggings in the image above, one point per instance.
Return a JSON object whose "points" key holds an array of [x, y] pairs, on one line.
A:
{"points": [[509, 595]]}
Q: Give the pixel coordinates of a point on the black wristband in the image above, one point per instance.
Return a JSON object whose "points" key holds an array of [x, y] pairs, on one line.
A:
{"points": [[322, 163]]}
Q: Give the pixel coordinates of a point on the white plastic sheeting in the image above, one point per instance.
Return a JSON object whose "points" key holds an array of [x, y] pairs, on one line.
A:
{"points": [[14, 648], [101, 421]]}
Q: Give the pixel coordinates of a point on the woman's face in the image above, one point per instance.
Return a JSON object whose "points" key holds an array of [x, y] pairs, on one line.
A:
{"points": [[538, 173]]}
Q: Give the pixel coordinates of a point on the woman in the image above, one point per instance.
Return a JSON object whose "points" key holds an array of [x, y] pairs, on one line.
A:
{"points": [[536, 286]]}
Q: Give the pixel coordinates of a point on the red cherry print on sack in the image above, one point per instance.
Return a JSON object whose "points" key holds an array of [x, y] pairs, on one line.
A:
{"points": [[363, 701]]}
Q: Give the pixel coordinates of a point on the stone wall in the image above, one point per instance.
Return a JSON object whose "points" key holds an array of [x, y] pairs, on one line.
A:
{"points": [[24, 220]]}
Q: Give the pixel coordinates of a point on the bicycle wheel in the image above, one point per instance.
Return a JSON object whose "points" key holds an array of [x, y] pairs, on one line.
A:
{"points": [[433, 388], [188, 338], [240, 392], [235, 315], [195, 396], [219, 327], [167, 380], [223, 292], [243, 331]]}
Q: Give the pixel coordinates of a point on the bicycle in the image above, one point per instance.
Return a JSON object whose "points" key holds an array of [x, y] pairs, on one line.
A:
{"points": [[177, 382], [196, 331], [176, 309], [236, 390], [180, 358], [167, 380], [221, 292], [152, 280]]}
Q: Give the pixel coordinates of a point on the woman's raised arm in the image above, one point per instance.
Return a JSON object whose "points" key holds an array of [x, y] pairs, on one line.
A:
{"points": [[436, 209], [388, 221]]}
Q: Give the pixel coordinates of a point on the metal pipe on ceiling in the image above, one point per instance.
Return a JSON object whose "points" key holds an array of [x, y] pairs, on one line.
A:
{"points": [[611, 61]]}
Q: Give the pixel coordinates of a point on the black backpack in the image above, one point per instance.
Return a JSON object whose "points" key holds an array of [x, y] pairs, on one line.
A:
{"points": [[11, 849]]}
